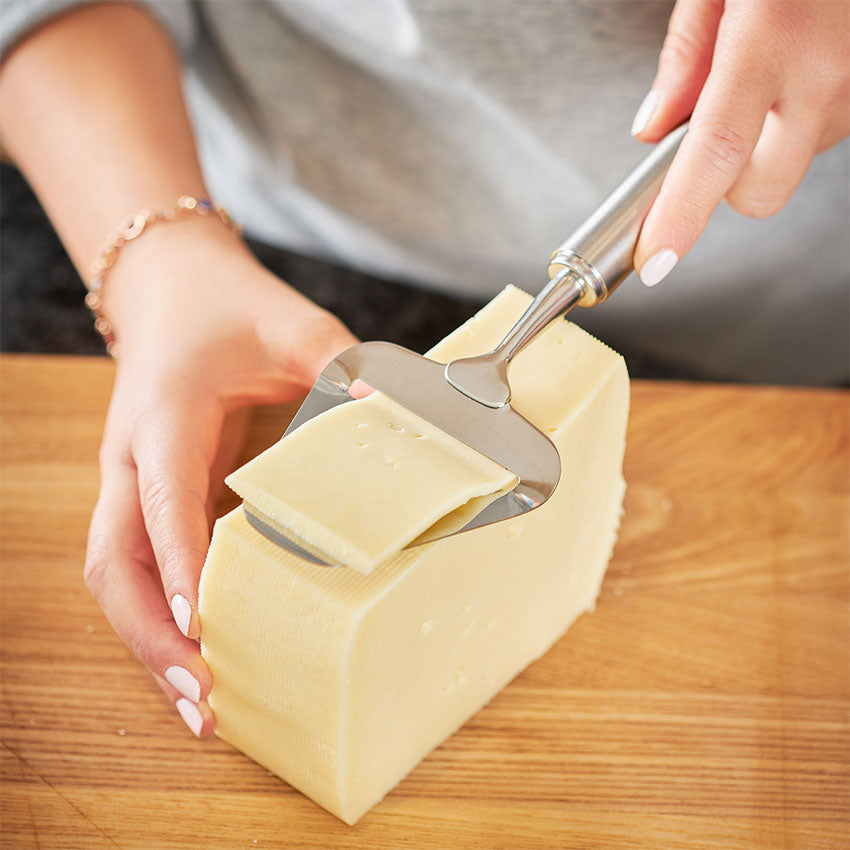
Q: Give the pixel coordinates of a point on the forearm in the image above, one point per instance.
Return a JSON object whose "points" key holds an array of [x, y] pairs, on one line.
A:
{"points": [[91, 110]]}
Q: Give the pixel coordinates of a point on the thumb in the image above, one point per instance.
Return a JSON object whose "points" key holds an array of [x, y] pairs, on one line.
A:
{"points": [[326, 337], [298, 339], [683, 67]]}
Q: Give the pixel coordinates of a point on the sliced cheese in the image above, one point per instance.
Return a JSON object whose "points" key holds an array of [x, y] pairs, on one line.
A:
{"points": [[362, 480], [339, 682]]}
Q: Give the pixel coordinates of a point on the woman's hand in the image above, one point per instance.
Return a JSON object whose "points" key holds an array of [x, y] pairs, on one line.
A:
{"points": [[768, 83], [204, 332], [93, 114]]}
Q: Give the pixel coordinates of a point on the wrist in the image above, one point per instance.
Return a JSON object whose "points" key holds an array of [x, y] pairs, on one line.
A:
{"points": [[170, 243], [151, 252]]}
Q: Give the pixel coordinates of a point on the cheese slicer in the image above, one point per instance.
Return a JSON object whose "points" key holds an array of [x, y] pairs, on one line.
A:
{"points": [[469, 398]]}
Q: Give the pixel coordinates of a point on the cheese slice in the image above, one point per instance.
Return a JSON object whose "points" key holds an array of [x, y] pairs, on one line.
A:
{"points": [[362, 480], [340, 682]]}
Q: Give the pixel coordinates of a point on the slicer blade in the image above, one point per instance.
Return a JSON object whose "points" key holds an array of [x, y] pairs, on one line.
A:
{"points": [[419, 384]]}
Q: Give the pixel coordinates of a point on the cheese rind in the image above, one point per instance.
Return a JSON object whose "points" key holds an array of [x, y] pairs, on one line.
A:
{"points": [[341, 682], [363, 479]]}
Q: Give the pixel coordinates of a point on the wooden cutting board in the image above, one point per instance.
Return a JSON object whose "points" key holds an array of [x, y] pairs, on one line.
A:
{"points": [[703, 705]]}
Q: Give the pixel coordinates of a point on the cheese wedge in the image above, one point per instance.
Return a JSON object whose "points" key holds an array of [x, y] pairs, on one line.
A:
{"points": [[362, 480], [340, 682]]}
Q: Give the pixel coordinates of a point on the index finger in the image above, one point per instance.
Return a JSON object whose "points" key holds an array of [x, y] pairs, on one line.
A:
{"points": [[173, 448], [724, 130], [120, 574]]}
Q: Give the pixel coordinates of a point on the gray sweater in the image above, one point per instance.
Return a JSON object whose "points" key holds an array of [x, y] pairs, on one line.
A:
{"points": [[455, 144]]}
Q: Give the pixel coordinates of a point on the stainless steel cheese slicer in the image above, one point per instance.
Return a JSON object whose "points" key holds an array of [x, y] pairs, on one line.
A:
{"points": [[470, 397]]}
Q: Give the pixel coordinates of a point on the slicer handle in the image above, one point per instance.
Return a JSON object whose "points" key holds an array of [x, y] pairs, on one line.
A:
{"points": [[584, 270], [602, 250]]}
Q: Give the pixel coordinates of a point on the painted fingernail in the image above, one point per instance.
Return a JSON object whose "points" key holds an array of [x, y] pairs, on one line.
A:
{"points": [[658, 266], [645, 112], [182, 612], [191, 715], [184, 681]]}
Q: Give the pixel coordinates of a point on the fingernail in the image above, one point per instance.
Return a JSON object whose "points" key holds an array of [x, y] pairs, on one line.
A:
{"points": [[645, 112], [658, 266], [182, 612], [184, 681], [191, 715]]}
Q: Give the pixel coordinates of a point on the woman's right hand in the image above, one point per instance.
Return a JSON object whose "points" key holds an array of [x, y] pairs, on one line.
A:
{"points": [[205, 332], [93, 113]]}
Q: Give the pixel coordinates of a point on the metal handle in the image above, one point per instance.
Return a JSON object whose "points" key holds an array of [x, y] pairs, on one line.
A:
{"points": [[584, 270], [602, 250], [591, 263]]}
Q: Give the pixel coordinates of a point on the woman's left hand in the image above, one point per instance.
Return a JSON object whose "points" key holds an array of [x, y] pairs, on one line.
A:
{"points": [[767, 83]]}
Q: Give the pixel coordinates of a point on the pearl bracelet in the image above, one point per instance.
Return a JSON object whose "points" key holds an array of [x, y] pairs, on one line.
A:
{"points": [[130, 229]]}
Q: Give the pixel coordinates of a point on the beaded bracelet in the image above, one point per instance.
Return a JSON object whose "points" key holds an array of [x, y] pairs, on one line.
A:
{"points": [[130, 229]]}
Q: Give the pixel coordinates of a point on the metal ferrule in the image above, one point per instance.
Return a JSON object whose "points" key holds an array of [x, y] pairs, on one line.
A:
{"points": [[602, 250], [594, 289]]}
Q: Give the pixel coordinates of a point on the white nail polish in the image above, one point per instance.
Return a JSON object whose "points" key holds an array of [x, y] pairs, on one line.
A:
{"points": [[182, 612], [184, 681], [645, 112], [658, 266], [191, 715]]}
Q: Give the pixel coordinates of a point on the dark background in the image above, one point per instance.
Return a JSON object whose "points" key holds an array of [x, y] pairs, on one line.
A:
{"points": [[42, 309]]}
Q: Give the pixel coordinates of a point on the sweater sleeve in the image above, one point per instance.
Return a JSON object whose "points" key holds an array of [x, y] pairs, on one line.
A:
{"points": [[20, 17]]}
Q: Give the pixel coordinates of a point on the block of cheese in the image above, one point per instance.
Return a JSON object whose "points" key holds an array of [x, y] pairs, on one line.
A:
{"points": [[340, 682], [360, 481]]}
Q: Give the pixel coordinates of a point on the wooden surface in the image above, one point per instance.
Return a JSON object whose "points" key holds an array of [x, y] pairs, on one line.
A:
{"points": [[703, 705]]}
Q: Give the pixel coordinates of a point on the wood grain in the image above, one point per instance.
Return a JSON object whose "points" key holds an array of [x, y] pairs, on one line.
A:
{"points": [[703, 705]]}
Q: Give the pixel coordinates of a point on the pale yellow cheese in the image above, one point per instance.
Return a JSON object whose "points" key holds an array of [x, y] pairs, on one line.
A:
{"points": [[341, 682], [362, 480]]}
